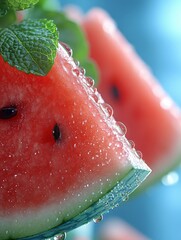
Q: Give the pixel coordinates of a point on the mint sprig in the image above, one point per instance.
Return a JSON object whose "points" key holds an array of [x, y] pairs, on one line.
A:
{"points": [[30, 46], [21, 4], [70, 33]]}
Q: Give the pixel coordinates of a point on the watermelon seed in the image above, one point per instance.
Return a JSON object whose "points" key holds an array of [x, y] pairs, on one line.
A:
{"points": [[115, 92], [8, 112], [98, 219], [56, 132]]}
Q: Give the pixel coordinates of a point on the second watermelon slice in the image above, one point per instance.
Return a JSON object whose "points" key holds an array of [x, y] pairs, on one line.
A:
{"points": [[152, 118]]}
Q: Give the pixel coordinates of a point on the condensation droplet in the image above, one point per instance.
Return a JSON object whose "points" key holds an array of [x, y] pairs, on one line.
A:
{"points": [[67, 48], [139, 154], [77, 63], [131, 143], [107, 109], [98, 219], [76, 71], [89, 81], [94, 96], [121, 128], [61, 236], [82, 70]]}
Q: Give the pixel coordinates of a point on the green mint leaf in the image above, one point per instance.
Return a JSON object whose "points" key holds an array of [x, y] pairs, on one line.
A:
{"points": [[8, 19], [3, 8], [69, 31], [21, 4], [30, 46]]}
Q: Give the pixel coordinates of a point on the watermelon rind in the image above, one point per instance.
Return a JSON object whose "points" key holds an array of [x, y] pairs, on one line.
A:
{"points": [[113, 198]]}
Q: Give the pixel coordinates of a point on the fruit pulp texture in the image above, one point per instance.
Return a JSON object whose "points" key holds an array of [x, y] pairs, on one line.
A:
{"points": [[36, 169]]}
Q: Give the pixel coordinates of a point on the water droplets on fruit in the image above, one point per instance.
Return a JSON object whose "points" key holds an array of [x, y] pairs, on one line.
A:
{"points": [[131, 143], [94, 96], [121, 128], [82, 70], [98, 219], [61, 236], [89, 81], [139, 154], [107, 109], [67, 48], [76, 71]]}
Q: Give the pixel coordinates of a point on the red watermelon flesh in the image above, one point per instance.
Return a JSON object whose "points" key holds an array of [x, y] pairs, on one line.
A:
{"points": [[61, 150], [152, 118]]}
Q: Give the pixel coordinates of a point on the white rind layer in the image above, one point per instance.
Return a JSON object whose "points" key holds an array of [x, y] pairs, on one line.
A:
{"points": [[34, 221]]}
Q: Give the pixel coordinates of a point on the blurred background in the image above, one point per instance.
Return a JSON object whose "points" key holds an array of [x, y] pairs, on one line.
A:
{"points": [[154, 29]]}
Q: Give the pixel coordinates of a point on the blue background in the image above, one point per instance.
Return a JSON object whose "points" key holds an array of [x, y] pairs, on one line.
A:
{"points": [[154, 29]]}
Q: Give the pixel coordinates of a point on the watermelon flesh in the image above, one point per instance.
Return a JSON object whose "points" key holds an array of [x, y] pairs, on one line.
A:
{"points": [[151, 117], [64, 159]]}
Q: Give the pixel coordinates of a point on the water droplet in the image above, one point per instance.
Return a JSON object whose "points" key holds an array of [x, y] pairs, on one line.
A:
{"points": [[139, 154], [82, 70], [77, 63], [121, 128], [67, 48], [95, 96], [89, 81], [131, 143], [170, 179], [76, 71], [107, 109], [61, 236], [98, 219]]}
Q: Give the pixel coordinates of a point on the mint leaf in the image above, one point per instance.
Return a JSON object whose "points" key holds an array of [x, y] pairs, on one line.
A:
{"points": [[21, 4], [30, 46], [69, 31], [8, 19], [3, 8]]}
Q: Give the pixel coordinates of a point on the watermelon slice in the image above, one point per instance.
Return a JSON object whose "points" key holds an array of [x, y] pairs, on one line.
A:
{"points": [[152, 118], [64, 160]]}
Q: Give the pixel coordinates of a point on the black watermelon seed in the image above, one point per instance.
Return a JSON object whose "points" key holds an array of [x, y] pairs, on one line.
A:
{"points": [[115, 92], [56, 132], [8, 112]]}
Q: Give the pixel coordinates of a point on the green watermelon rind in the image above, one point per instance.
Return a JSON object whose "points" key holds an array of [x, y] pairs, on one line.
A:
{"points": [[114, 197]]}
